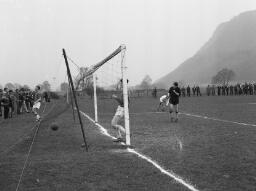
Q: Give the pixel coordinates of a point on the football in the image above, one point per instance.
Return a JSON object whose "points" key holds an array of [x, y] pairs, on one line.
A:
{"points": [[54, 126]]}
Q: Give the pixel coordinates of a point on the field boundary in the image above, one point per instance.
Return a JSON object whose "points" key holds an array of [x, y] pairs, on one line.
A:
{"points": [[192, 115], [216, 119], [146, 158]]}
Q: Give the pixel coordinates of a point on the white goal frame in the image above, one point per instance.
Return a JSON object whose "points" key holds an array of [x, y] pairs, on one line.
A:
{"points": [[120, 50]]}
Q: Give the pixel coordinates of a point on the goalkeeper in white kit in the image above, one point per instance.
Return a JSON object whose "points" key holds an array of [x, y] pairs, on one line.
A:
{"points": [[164, 101]]}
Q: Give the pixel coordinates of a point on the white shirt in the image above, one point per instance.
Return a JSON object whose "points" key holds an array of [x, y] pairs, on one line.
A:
{"points": [[163, 98]]}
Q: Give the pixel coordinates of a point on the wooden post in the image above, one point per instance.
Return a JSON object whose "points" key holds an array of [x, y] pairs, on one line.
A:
{"points": [[71, 99], [74, 96]]}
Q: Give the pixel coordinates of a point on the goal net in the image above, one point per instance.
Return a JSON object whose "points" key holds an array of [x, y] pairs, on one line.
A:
{"points": [[108, 85]]}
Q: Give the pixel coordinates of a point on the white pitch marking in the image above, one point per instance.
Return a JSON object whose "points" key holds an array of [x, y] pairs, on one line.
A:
{"points": [[162, 170], [221, 120], [199, 116]]}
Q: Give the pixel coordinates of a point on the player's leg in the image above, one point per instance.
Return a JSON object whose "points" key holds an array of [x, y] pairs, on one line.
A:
{"points": [[159, 106], [171, 109], [120, 129], [35, 109], [176, 112]]}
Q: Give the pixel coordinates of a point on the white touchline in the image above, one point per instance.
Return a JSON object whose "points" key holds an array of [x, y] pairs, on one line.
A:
{"points": [[199, 116], [216, 119], [162, 170]]}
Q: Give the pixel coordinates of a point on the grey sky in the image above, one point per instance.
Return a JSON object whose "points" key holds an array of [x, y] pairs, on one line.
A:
{"points": [[159, 34]]}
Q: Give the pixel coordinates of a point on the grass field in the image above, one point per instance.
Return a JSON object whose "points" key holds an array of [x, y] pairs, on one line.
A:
{"points": [[212, 147]]}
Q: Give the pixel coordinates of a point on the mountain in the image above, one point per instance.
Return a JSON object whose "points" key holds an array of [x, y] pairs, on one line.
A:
{"points": [[232, 46]]}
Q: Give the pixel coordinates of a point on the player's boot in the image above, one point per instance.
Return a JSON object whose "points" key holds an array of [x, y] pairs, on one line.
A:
{"points": [[38, 118], [117, 140]]}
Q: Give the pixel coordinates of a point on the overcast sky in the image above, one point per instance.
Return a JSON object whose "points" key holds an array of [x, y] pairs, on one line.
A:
{"points": [[159, 34]]}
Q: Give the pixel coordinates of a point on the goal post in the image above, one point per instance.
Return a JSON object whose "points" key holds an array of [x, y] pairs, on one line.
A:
{"points": [[94, 77], [125, 98], [119, 67]]}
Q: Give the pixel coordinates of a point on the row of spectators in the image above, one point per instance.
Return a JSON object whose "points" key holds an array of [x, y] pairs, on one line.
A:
{"points": [[238, 89], [16, 102], [188, 91]]}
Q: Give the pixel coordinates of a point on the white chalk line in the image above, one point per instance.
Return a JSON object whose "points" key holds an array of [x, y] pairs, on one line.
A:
{"points": [[29, 151], [220, 120], [198, 116], [162, 170]]}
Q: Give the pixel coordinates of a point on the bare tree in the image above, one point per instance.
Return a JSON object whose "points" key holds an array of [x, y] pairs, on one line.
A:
{"points": [[64, 86], [223, 77], [10, 86], [81, 80], [146, 82], [46, 86], [26, 87], [17, 85]]}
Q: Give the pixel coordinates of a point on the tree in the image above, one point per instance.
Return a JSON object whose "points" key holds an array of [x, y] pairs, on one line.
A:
{"points": [[10, 86], [64, 86], [88, 87], [146, 82], [17, 85], [81, 80], [46, 86], [223, 77], [26, 87]]}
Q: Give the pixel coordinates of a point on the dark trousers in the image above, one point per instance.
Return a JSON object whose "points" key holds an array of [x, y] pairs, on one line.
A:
{"points": [[5, 110]]}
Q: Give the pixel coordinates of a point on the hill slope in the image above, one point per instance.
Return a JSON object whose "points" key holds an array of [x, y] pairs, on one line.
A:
{"points": [[233, 46]]}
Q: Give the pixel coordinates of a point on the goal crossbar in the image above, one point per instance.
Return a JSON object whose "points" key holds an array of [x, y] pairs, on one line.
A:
{"points": [[95, 67]]}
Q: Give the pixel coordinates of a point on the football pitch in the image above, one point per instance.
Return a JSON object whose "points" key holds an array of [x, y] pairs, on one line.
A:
{"points": [[212, 147]]}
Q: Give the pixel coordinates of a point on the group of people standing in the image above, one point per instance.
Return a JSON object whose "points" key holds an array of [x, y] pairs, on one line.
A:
{"points": [[188, 91], [13, 103], [225, 90]]}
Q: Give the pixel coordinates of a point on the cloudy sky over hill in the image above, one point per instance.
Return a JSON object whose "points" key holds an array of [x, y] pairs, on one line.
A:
{"points": [[159, 34]]}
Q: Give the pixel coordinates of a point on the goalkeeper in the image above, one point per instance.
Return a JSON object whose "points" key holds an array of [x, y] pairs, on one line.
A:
{"points": [[117, 118], [163, 101]]}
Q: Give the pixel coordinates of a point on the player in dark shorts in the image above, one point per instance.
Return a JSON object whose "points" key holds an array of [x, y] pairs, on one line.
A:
{"points": [[174, 94]]}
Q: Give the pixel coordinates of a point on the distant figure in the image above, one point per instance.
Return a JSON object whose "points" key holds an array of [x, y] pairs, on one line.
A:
{"points": [[37, 103], [223, 90], [231, 90], [194, 90], [154, 93], [1, 93], [198, 92], [213, 90], [5, 101], [227, 90], [208, 90], [164, 101], [188, 91], [183, 91], [218, 90], [174, 94], [11, 103]]}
